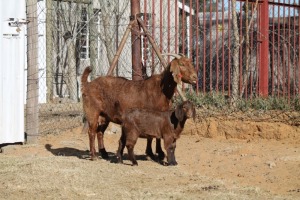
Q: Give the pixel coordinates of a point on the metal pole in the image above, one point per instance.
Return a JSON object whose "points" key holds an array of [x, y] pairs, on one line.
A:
{"points": [[32, 112], [264, 55], [136, 42]]}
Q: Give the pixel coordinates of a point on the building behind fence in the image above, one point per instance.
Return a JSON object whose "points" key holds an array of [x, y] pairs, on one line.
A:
{"points": [[81, 33]]}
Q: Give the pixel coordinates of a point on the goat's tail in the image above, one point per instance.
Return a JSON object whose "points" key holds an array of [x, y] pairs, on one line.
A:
{"points": [[85, 75]]}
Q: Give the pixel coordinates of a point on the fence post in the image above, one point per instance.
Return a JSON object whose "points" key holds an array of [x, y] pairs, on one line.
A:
{"points": [[136, 42], [32, 118], [49, 51], [92, 40], [264, 47]]}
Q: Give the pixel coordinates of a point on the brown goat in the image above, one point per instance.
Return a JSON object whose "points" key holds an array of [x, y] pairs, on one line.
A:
{"points": [[154, 93], [154, 124]]}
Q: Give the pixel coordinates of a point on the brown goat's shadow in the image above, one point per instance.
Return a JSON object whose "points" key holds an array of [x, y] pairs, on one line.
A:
{"points": [[140, 157], [85, 154], [71, 152], [67, 151]]}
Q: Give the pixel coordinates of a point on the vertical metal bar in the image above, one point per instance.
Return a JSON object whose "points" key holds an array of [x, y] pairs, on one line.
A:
{"points": [[278, 53], [283, 55], [217, 48], [298, 54], [251, 47], [145, 41], [137, 73], [183, 23], [197, 44], [153, 35], [294, 51], [210, 49], [289, 53], [168, 29], [160, 28], [191, 30], [117, 34], [258, 57], [204, 48], [273, 50], [223, 56], [229, 45], [247, 56], [264, 61], [176, 26]]}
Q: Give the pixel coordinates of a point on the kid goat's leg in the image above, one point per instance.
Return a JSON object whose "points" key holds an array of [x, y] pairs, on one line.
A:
{"points": [[170, 145]]}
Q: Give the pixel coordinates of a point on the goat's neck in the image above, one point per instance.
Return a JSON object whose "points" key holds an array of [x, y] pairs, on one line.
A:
{"points": [[168, 84], [178, 125]]}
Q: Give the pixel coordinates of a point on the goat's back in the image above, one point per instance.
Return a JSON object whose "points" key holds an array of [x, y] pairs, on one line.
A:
{"points": [[130, 94], [147, 122]]}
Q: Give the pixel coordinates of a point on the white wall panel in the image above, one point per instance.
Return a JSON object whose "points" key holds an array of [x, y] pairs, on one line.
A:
{"points": [[12, 64]]}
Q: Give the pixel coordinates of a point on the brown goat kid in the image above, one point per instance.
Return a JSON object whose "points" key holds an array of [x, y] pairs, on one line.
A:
{"points": [[155, 93], [154, 124]]}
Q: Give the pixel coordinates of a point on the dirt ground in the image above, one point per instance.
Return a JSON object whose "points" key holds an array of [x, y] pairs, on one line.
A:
{"points": [[218, 158]]}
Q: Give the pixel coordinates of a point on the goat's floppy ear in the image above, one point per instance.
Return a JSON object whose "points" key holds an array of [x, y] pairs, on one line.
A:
{"points": [[175, 70], [179, 113]]}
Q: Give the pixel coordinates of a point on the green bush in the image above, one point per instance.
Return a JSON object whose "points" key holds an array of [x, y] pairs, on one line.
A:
{"points": [[221, 101]]}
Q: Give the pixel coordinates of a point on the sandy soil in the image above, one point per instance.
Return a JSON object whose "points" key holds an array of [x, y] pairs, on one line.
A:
{"points": [[217, 159]]}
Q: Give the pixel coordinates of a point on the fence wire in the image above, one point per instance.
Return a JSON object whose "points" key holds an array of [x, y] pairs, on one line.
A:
{"points": [[77, 34]]}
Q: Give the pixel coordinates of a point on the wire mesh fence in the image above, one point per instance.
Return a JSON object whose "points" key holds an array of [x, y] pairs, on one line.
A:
{"points": [[81, 33]]}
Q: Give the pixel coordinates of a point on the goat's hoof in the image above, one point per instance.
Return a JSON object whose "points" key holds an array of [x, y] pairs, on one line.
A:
{"points": [[93, 158], [103, 153], [119, 160], [172, 163], [161, 155], [134, 164], [150, 154]]}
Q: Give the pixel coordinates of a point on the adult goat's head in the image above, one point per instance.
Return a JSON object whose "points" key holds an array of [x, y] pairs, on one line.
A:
{"points": [[182, 69]]}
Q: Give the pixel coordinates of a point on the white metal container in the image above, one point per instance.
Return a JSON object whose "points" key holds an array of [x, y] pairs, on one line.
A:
{"points": [[12, 65]]}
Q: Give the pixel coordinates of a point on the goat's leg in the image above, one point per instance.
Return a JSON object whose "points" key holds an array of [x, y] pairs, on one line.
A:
{"points": [[130, 142], [100, 135], [92, 137], [149, 151], [159, 151], [170, 145], [130, 146], [123, 139], [122, 142]]}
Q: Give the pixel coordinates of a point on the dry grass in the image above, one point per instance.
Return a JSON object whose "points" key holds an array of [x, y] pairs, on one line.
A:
{"points": [[71, 178]]}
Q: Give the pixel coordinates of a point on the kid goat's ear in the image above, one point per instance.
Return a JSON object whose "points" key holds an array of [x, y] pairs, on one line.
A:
{"points": [[179, 113]]}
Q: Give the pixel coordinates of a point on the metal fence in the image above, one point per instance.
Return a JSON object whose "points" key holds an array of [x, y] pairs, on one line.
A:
{"points": [[79, 33]]}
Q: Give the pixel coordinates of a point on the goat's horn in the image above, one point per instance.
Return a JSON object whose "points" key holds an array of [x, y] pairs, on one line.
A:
{"points": [[172, 54]]}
